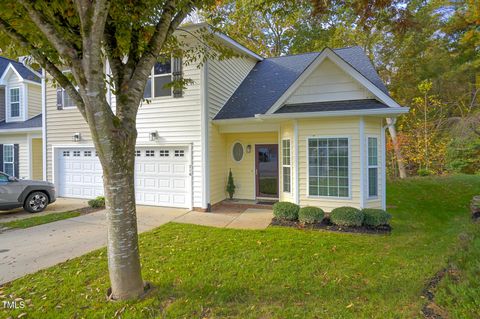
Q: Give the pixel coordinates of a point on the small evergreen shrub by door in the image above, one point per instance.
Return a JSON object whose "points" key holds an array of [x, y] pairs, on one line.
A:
{"points": [[230, 185], [310, 215], [346, 216], [286, 211], [375, 217]]}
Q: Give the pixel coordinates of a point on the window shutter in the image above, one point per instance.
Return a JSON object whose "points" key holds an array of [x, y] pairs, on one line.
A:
{"points": [[16, 160], [1, 157], [177, 76], [59, 99]]}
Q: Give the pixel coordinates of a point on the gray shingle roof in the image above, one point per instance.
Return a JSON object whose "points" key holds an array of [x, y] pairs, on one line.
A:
{"points": [[34, 122], [24, 72], [348, 105], [270, 78]]}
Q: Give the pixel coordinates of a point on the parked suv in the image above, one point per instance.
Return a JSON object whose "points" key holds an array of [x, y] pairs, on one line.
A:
{"points": [[34, 196]]}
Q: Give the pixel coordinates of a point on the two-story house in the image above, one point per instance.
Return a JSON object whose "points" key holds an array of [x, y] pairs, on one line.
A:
{"points": [[306, 128], [21, 152]]}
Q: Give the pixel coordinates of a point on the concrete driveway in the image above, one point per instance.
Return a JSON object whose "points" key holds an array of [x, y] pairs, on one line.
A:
{"points": [[26, 251], [60, 205]]}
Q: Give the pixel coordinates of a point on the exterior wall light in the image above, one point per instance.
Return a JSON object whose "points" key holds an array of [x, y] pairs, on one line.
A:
{"points": [[153, 136], [249, 148], [76, 137]]}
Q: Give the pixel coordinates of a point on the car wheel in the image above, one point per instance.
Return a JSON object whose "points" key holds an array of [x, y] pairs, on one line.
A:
{"points": [[36, 202]]}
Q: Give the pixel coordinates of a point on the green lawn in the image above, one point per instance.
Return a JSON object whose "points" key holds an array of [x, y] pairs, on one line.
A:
{"points": [[202, 272], [39, 220]]}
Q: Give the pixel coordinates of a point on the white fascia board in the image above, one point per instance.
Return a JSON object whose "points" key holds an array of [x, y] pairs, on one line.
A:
{"points": [[22, 130], [390, 112], [226, 39], [329, 53]]}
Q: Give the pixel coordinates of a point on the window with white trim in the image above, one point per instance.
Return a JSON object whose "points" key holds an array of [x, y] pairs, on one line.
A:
{"points": [[160, 76], [66, 100], [8, 159], [286, 166], [372, 167], [149, 153], [328, 167], [15, 110]]}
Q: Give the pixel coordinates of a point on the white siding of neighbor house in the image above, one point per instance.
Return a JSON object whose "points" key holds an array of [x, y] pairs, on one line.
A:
{"points": [[328, 83], [224, 77]]}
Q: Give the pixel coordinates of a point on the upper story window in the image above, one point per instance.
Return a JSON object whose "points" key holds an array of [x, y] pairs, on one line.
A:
{"points": [[164, 72], [160, 76], [15, 102], [63, 99]]}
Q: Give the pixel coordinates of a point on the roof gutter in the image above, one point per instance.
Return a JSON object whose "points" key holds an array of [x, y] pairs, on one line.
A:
{"points": [[390, 112]]}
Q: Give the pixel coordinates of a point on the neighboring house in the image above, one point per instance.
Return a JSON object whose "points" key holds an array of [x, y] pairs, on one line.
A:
{"points": [[21, 153], [307, 128]]}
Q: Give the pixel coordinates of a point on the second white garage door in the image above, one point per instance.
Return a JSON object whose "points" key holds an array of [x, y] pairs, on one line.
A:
{"points": [[162, 175]]}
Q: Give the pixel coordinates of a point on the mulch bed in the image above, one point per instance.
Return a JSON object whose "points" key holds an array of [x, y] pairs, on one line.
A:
{"points": [[86, 210], [327, 225]]}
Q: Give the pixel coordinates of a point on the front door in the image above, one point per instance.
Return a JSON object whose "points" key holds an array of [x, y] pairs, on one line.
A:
{"points": [[266, 170]]}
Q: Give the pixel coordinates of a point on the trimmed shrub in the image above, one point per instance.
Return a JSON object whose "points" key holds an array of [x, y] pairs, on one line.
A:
{"points": [[310, 215], [98, 202], [375, 217], [346, 216], [286, 210]]}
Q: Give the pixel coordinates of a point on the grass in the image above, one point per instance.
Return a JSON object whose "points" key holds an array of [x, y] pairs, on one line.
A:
{"points": [[202, 272], [39, 220]]}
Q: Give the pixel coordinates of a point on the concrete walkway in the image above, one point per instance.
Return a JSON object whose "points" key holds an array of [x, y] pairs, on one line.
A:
{"points": [[26, 251]]}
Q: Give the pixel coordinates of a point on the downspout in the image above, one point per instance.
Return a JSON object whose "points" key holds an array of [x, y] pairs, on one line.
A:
{"points": [[205, 146], [44, 126]]}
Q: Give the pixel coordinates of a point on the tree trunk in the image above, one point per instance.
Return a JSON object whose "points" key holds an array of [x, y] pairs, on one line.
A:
{"points": [[115, 145], [123, 252], [396, 148]]}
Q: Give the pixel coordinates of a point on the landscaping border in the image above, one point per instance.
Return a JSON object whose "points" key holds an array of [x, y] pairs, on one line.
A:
{"points": [[326, 224]]}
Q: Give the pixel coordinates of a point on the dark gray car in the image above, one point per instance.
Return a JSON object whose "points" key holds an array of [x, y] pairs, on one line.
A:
{"points": [[33, 196]]}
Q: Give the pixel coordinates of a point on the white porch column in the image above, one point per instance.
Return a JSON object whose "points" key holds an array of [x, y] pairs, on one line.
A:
{"points": [[362, 161]]}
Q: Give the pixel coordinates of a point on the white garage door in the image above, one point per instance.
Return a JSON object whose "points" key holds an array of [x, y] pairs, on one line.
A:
{"points": [[162, 175]]}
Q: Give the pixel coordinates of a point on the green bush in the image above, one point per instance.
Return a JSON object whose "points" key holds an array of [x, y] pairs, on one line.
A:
{"points": [[98, 202], [286, 210], [310, 215], [424, 172], [346, 216], [375, 217]]}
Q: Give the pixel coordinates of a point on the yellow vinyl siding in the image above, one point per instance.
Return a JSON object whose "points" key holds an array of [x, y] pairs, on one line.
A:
{"points": [[224, 77], [218, 170], [373, 127], [286, 132], [330, 127], [244, 171], [328, 82], [34, 100], [37, 159]]}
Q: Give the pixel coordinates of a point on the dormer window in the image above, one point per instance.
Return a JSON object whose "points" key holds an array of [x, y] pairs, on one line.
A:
{"points": [[14, 103]]}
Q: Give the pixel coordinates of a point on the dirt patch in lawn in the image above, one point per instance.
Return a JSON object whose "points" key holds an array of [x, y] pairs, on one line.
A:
{"points": [[326, 224], [431, 310]]}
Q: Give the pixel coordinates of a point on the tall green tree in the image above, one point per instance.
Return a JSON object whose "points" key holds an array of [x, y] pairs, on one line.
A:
{"points": [[81, 35]]}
